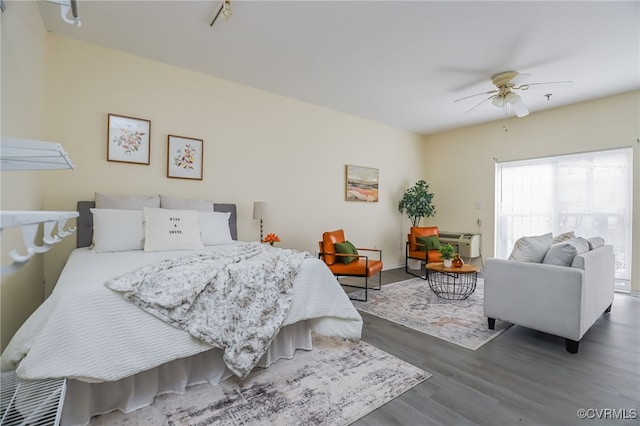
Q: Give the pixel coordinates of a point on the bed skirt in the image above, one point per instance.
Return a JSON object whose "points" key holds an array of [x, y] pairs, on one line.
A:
{"points": [[84, 400]]}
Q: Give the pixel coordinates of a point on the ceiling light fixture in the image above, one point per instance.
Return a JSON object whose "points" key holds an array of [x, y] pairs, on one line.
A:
{"points": [[225, 9]]}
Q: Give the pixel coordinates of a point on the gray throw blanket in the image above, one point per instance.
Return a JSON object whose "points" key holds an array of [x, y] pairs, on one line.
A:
{"points": [[235, 300]]}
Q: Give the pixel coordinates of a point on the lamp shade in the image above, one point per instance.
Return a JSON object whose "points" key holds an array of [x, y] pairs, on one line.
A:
{"points": [[260, 210]]}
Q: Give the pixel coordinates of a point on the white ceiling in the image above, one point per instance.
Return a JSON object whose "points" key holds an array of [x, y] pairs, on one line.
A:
{"points": [[394, 62]]}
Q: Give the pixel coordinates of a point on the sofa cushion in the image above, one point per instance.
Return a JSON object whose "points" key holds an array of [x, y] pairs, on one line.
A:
{"points": [[531, 249], [562, 254], [346, 248], [428, 243], [595, 242], [563, 237]]}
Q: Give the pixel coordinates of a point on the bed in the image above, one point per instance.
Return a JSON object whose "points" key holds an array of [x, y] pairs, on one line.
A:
{"points": [[117, 356]]}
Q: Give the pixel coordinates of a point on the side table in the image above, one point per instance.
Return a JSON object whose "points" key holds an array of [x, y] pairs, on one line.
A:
{"points": [[452, 283]]}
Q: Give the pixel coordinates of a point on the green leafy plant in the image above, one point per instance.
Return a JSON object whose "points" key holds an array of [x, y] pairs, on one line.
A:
{"points": [[447, 251], [417, 202]]}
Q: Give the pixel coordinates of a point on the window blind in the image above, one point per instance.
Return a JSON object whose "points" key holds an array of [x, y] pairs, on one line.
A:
{"points": [[589, 193]]}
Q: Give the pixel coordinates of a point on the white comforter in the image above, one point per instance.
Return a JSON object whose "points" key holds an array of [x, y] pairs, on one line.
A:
{"points": [[88, 332]]}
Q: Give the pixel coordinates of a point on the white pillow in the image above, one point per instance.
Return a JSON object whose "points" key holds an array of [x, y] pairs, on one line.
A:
{"points": [[214, 228], [128, 202], [166, 229], [531, 249], [185, 204], [117, 230]]}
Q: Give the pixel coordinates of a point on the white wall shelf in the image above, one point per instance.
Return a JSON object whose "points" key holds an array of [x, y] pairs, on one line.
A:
{"points": [[26, 154], [30, 222]]}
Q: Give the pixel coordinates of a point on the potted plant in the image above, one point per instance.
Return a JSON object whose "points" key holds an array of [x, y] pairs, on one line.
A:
{"points": [[447, 251], [417, 203]]}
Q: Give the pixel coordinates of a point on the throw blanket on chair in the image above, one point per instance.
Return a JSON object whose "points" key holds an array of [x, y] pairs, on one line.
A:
{"points": [[236, 301]]}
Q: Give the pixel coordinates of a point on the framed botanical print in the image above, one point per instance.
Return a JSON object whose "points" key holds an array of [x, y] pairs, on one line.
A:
{"points": [[362, 184], [184, 158], [128, 139]]}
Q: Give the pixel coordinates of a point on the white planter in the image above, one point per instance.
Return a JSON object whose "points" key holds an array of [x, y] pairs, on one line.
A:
{"points": [[447, 263], [414, 264]]}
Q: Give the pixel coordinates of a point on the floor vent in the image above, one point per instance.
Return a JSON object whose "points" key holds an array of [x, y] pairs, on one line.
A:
{"points": [[37, 402]]}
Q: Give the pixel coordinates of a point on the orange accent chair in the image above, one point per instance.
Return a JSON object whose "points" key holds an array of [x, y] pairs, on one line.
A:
{"points": [[415, 250], [358, 265]]}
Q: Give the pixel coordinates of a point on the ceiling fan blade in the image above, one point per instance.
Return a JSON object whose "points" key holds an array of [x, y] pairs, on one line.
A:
{"points": [[566, 83], [479, 104], [477, 94], [520, 109], [519, 79]]}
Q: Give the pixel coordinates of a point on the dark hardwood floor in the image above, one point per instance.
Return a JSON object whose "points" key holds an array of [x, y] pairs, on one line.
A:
{"points": [[522, 377]]}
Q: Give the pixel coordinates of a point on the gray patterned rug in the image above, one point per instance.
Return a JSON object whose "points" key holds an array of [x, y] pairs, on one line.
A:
{"points": [[412, 303], [336, 383]]}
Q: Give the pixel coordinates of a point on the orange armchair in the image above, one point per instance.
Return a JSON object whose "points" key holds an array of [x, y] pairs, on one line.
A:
{"points": [[418, 251], [344, 259]]}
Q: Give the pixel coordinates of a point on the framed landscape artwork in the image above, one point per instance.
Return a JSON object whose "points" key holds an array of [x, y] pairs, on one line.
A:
{"points": [[184, 158], [362, 184], [128, 139]]}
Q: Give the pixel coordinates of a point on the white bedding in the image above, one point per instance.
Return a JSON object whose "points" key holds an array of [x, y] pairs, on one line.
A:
{"points": [[88, 332]]}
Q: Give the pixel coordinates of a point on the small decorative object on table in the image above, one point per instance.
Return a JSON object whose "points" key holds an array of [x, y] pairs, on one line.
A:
{"points": [[447, 251], [457, 261], [271, 238]]}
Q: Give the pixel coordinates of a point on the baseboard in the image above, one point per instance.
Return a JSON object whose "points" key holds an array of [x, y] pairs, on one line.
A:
{"points": [[635, 293]]}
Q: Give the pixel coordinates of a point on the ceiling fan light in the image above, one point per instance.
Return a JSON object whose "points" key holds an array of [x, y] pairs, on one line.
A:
{"points": [[498, 101], [512, 98]]}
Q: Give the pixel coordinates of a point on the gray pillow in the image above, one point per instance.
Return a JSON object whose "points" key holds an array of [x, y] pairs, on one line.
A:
{"points": [[595, 242], [126, 202], [563, 237], [562, 254], [186, 204], [531, 249]]}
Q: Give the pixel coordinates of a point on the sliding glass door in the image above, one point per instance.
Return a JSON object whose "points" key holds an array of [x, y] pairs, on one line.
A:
{"points": [[588, 193]]}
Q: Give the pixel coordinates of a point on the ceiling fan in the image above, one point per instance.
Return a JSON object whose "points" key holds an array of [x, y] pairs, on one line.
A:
{"points": [[507, 83]]}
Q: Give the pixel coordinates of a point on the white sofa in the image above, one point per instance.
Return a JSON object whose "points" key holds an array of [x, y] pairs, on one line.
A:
{"points": [[560, 300]]}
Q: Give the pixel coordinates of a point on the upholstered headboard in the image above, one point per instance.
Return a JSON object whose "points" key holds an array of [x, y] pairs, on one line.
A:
{"points": [[84, 234]]}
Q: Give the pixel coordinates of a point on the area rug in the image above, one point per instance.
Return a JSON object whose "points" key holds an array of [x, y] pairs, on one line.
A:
{"points": [[336, 383], [412, 304]]}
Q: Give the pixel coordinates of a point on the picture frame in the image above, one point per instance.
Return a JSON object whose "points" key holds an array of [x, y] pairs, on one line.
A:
{"points": [[128, 139], [184, 157], [362, 183]]}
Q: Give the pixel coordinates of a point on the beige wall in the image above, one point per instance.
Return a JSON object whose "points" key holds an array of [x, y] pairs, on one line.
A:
{"points": [[23, 114], [468, 174], [257, 147]]}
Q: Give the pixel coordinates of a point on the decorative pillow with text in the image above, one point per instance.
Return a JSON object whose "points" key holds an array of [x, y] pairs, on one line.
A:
{"points": [[167, 229]]}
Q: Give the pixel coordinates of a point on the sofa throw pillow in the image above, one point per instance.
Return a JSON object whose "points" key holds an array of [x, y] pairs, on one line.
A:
{"points": [[531, 249], [562, 254], [346, 248], [166, 229], [563, 237], [428, 243], [595, 242], [117, 230]]}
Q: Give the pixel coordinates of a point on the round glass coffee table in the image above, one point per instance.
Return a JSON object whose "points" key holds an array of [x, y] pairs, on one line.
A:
{"points": [[452, 283]]}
